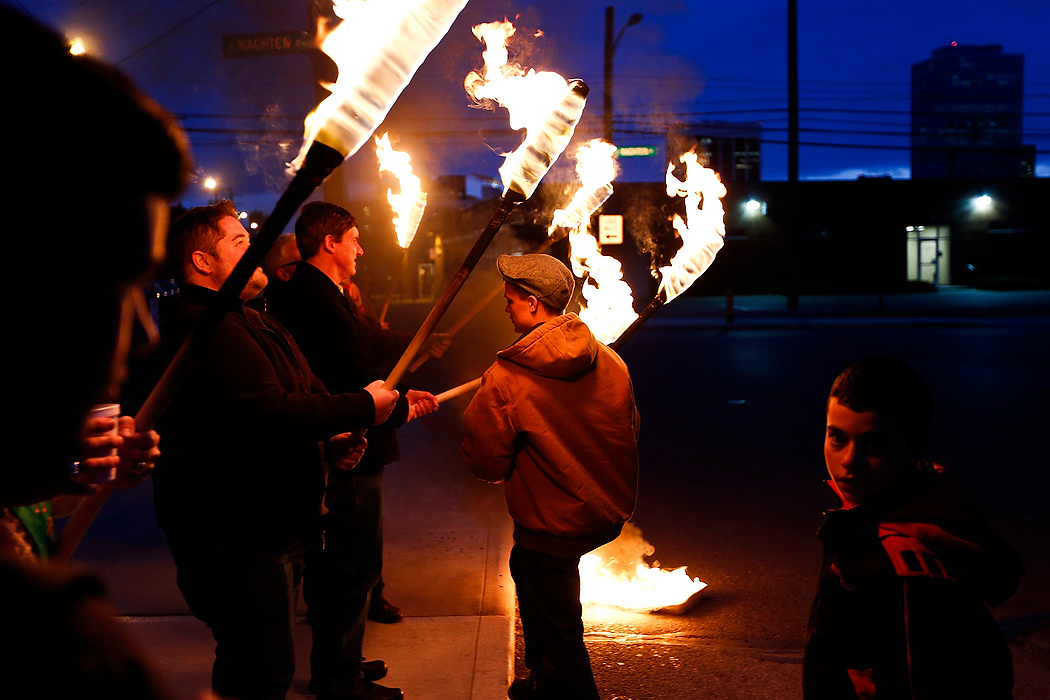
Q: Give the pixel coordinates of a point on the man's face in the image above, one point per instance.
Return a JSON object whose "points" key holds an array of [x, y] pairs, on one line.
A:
{"points": [[347, 251], [521, 308], [865, 452], [228, 252]]}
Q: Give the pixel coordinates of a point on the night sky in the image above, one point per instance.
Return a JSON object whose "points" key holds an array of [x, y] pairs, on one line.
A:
{"points": [[685, 62]]}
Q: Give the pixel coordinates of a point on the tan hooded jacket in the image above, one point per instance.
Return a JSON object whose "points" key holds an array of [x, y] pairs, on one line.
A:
{"points": [[555, 420]]}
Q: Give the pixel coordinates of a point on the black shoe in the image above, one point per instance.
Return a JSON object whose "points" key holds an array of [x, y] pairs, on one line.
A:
{"points": [[523, 689], [382, 611], [364, 689], [373, 670]]}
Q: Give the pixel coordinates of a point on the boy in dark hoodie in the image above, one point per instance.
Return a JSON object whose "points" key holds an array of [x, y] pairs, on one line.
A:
{"points": [[910, 565]]}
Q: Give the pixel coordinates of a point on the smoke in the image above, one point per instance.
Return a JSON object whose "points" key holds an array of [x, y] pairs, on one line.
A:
{"points": [[649, 225], [267, 156], [626, 553]]}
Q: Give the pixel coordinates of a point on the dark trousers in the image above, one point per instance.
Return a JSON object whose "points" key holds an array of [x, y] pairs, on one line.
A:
{"points": [[552, 624], [248, 600], [339, 577]]}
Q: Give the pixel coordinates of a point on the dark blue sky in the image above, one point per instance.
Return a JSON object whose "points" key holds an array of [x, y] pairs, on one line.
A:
{"points": [[686, 61]]}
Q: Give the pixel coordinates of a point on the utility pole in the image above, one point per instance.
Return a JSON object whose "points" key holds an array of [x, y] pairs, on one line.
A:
{"points": [[611, 43], [792, 190]]}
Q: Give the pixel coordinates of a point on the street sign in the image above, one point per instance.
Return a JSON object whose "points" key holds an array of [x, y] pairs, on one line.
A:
{"points": [[635, 151], [610, 229], [241, 45]]}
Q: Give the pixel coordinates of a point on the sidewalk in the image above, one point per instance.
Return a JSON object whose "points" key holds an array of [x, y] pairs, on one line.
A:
{"points": [[447, 546]]}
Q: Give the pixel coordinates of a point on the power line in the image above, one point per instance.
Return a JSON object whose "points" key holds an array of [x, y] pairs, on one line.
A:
{"points": [[169, 32]]}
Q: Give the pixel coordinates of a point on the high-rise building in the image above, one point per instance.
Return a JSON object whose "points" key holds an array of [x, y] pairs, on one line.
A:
{"points": [[732, 149], [967, 114]]}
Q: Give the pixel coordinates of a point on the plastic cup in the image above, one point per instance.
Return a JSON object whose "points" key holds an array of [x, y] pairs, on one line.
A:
{"points": [[105, 410]]}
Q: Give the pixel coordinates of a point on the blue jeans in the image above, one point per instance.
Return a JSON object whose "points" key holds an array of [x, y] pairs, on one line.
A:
{"points": [[339, 577], [248, 600], [552, 624]]}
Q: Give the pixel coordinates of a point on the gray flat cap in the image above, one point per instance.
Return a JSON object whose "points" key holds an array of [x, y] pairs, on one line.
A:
{"points": [[543, 276]]}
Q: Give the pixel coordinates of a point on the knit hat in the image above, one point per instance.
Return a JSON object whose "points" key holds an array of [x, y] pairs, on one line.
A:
{"points": [[542, 276]]}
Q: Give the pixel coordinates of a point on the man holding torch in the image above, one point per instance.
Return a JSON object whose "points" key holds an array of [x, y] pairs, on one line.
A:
{"points": [[555, 421], [345, 348], [238, 490]]}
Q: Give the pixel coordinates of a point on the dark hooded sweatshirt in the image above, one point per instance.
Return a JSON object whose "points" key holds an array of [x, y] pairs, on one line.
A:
{"points": [[902, 605]]}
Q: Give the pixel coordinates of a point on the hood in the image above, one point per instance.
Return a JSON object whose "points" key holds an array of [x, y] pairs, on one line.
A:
{"points": [[561, 348], [931, 507]]}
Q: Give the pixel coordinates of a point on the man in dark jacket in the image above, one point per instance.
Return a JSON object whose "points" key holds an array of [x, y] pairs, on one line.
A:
{"points": [[909, 562], [238, 490], [345, 349], [555, 421]]}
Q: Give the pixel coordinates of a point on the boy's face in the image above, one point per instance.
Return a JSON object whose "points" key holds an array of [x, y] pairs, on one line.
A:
{"points": [[865, 452], [521, 307]]}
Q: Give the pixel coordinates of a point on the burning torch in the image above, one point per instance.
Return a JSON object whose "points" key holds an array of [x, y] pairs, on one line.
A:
{"points": [[521, 172], [579, 210], [378, 48], [702, 233], [408, 205]]}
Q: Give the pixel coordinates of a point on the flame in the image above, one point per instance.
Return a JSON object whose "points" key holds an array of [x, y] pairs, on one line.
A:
{"points": [[702, 232], [544, 104], [408, 206], [608, 304], [377, 47], [616, 574]]}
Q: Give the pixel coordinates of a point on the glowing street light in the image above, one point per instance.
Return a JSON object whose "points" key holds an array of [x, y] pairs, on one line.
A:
{"points": [[982, 203], [212, 185], [755, 207], [77, 48]]}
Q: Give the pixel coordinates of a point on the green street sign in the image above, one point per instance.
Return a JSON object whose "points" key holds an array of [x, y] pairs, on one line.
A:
{"points": [[635, 151], [241, 45]]}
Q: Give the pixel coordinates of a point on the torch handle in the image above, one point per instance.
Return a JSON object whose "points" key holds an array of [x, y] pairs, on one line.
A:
{"points": [[648, 311], [393, 282], [320, 161], [464, 388], [506, 205], [386, 302], [484, 301]]}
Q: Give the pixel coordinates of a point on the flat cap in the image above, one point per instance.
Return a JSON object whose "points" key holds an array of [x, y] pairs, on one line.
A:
{"points": [[543, 276]]}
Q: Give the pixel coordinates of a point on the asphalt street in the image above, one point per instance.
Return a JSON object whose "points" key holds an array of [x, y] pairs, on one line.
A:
{"points": [[731, 483]]}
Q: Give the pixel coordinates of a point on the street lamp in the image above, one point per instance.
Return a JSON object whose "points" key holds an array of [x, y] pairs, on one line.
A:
{"points": [[754, 207], [212, 185], [982, 203], [610, 50]]}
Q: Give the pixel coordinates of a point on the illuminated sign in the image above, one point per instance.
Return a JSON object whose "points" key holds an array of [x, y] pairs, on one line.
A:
{"points": [[610, 229], [635, 151]]}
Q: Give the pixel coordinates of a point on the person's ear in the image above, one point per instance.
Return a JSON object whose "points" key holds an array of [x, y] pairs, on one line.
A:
{"points": [[201, 262], [534, 304], [329, 243]]}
